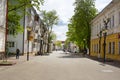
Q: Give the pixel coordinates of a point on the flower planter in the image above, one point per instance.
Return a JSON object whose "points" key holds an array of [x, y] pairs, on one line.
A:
{"points": [[6, 63]]}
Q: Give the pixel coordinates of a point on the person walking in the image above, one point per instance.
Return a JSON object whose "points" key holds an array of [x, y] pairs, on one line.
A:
{"points": [[84, 52], [17, 53]]}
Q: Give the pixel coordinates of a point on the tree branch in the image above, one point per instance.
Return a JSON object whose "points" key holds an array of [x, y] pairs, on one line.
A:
{"points": [[15, 8]]}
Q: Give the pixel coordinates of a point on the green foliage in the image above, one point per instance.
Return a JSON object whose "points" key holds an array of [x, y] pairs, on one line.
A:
{"points": [[53, 36], [79, 27], [21, 4], [14, 23], [50, 18], [67, 41], [58, 43], [16, 11]]}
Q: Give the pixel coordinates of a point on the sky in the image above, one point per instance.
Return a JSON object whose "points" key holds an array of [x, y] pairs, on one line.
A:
{"points": [[65, 10]]}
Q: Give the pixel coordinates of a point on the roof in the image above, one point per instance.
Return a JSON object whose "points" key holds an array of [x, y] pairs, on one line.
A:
{"points": [[111, 4]]}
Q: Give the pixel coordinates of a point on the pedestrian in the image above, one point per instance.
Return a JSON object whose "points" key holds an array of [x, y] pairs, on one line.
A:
{"points": [[75, 50], [84, 52], [17, 53]]}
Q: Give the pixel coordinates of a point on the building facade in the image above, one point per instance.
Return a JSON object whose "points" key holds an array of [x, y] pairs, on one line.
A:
{"points": [[28, 41], [112, 49], [3, 4]]}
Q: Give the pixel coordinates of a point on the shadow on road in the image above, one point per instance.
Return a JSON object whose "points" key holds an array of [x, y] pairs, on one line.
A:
{"points": [[108, 61], [71, 55]]}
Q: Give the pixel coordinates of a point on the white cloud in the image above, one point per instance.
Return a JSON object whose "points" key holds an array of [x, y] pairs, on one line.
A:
{"points": [[65, 10], [100, 4], [60, 32]]}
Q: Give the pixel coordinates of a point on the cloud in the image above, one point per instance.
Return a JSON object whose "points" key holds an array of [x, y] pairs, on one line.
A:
{"points": [[100, 4], [60, 32], [62, 23], [65, 10]]}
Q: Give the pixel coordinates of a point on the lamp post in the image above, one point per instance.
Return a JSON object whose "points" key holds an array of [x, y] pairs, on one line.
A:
{"points": [[41, 46], [105, 34], [84, 42], [28, 30], [99, 36], [38, 41]]}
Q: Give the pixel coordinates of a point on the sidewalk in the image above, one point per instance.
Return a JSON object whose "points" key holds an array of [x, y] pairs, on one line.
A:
{"points": [[108, 61], [13, 59]]}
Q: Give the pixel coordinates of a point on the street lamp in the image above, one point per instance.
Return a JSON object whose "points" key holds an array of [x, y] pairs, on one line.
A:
{"points": [[28, 30], [99, 36], [84, 42], [105, 34]]}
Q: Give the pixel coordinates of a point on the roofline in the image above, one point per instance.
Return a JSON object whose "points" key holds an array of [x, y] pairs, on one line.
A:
{"points": [[107, 7]]}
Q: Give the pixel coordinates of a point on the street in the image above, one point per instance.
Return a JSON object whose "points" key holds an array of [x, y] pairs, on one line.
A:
{"points": [[60, 66]]}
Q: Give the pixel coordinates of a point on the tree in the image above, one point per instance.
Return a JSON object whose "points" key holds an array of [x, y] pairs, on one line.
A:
{"points": [[16, 11], [79, 27], [53, 36], [22, 4], [50, 19], [58, 44]]}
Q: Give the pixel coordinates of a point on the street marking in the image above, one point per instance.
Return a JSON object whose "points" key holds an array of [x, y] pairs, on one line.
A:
{"points": [[107, 71]]}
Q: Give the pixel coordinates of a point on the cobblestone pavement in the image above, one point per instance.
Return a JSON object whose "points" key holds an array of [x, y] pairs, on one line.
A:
{"points": [[59, 66]]}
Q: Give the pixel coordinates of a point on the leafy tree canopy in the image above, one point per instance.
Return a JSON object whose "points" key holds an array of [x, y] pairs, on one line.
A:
{"points": [[58, 43], [79, 27], [50, 18], [53, 36], [16, 11]]}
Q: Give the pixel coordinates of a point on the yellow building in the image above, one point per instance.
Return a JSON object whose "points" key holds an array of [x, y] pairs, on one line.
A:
{"points": [[112, 48]]}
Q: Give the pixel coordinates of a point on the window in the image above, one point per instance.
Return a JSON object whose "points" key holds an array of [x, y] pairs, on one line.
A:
{"points": [[109, 48], [119, 18], [119, 47], [11, 44], [97, 48], [94, 49], [33, 45], [11, 32], [113, 21], [109, 23], [113, 47]]}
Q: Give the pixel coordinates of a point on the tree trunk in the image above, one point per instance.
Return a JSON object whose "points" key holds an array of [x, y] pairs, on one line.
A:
{"points": [[48, 46], [40, 50]]}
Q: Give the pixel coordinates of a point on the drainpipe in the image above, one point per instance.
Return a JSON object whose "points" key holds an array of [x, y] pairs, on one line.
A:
{"points": [[23, 31], [6, 30]]}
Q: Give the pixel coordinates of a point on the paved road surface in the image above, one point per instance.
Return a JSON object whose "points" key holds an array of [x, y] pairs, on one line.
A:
{"points": [[60, 66]]}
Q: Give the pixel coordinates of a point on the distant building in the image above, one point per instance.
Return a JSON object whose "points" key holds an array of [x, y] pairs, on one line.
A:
{"points": [[2, 25], [111, 12], [72, 47]]}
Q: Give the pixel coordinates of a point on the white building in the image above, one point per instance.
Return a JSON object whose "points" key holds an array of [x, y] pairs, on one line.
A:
{"points": [[2, 25], [20, 41]]}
